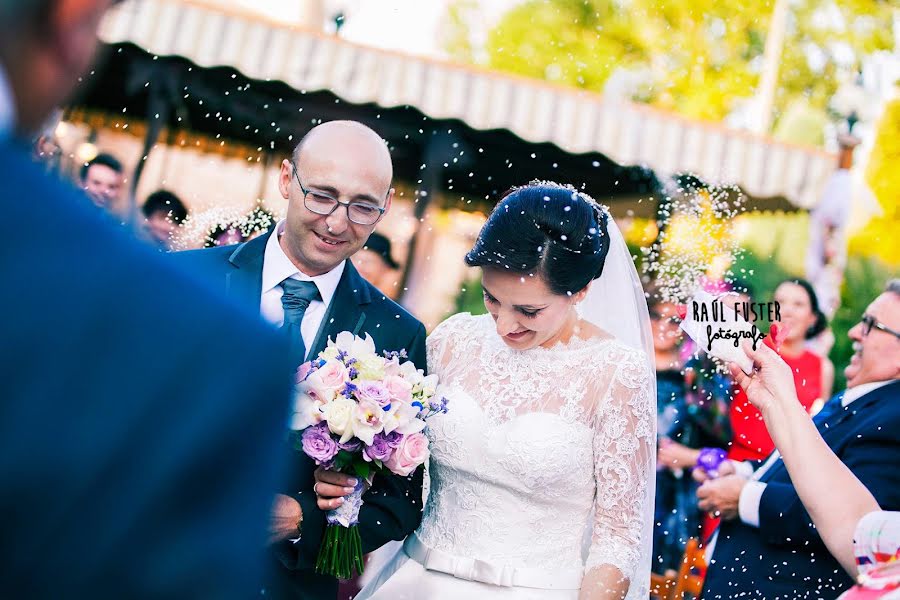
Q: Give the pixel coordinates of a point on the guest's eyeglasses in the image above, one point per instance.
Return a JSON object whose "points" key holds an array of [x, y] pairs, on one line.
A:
{"points": [[869, 322], [323, 203]]}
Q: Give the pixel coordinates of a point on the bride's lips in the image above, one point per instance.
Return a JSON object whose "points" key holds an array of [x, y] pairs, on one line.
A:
{"points": [[518, 335]]}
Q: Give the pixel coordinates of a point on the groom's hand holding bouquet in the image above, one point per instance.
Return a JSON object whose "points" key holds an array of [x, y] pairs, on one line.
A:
{"points": [[359, 413]]}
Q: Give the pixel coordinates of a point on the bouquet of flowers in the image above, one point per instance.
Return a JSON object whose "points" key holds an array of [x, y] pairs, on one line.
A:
{"points": [[358, 412]]}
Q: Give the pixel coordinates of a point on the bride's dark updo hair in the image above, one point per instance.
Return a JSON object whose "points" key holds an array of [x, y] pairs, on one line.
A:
{"points": [[548, 229]]}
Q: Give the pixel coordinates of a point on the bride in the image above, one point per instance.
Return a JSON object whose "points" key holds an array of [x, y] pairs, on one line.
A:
{"points": [[541, 472]]}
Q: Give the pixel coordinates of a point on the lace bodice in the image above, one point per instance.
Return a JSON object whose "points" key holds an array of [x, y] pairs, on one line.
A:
{"points": [[539, 448]]}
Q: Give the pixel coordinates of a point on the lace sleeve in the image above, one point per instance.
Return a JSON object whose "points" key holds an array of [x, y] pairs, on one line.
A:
{"points": [[624, 450], [438, 346]]}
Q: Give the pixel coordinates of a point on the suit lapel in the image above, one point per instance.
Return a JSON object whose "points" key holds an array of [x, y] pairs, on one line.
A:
{"points": [[244, 282], [346, 311], [834, 422]]}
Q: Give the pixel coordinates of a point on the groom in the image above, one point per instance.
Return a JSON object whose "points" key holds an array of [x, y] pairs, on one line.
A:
{"points": [[338, 186]]}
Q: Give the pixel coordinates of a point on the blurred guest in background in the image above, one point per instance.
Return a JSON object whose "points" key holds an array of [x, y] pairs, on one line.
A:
{"points": [[103, 178], [375, 263], [801, 320], [224, 235], [826, 255], [707, 420], [163, 213], [675, 514], [46, 145], [693, 414]]}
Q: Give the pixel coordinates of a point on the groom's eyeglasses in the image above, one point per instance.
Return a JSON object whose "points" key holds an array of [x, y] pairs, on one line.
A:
{"points": [[869, 323], [323, 203]]}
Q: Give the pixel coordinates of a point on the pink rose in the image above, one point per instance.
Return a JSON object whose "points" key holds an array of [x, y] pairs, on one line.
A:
{"points": [[413, 451], [333, 374], [399, 389], [324, 383]]}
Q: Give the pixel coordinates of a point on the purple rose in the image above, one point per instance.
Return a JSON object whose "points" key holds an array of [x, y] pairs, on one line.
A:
{"points": [[374, 391], [393, 439], [379, 450], [318, 443]]}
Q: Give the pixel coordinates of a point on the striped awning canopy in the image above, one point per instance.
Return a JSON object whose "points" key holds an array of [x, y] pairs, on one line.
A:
{"points": [[574, 120]]}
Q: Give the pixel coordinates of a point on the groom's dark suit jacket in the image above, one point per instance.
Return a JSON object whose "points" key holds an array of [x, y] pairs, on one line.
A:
{"points": [[393, 507], [785, 557]]}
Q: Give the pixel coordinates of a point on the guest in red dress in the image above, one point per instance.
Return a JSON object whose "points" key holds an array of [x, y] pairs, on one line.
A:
{"points": [[801, 320]]}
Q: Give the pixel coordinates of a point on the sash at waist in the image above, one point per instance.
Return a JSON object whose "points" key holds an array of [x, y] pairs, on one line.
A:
{"points": [[473, 569]]}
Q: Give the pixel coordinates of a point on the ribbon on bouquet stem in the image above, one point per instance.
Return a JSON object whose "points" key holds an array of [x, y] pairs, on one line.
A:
{"points": [[340, 554]]}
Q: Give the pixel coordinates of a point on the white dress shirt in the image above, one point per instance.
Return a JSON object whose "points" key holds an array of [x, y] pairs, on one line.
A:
{"points": [[276, 268], [748, 504], [7, 106]]}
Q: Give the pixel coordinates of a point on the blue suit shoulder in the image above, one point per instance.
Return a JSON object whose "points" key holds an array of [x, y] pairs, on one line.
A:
{"points": [[121, 405]]}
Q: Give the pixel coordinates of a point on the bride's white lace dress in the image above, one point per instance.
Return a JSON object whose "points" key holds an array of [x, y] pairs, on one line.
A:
{"points": [[539, 472]]}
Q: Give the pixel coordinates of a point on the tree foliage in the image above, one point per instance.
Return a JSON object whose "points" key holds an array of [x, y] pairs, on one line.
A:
{"points": [[879, 237], [697, 57]]}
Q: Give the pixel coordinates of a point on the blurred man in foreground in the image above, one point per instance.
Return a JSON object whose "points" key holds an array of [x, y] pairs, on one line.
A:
{"points": [[137, 447]]}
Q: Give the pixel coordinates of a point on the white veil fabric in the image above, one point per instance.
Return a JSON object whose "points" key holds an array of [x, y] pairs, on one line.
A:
{"points": [[615, 302]]}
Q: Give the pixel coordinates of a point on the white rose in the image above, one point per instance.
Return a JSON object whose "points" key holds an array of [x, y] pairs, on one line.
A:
{"points": [[370, 367], [339, 415]]}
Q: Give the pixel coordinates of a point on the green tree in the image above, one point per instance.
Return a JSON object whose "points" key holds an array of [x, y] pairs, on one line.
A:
{"points": [[697, 57], [823, 35], [879, 237]]}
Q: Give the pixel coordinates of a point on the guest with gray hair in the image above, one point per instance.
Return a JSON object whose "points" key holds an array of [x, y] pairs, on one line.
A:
{"points": [[793, 531]]}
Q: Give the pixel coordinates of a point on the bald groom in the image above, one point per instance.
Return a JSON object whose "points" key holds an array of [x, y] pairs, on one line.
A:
{"points": [[298, 276]]}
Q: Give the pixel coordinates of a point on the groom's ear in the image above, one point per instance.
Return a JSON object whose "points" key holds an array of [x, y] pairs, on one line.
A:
{"points": [[285, 178]]}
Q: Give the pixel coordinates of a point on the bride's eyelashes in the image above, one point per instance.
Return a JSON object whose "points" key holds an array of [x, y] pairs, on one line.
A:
{"points": [[527, 313]]}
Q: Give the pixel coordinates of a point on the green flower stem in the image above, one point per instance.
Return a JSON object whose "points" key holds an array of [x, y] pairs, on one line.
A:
{"points": [[341, 552]]}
